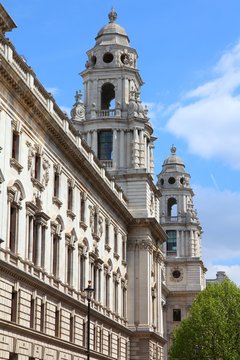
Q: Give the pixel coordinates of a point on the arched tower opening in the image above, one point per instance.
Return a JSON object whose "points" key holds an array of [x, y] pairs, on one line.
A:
{"points": [[108, 97], [172, 207]]}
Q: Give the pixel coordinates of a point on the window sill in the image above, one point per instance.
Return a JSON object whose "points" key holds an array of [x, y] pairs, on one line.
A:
{"points": [[83, 225], [56, 201], [107, 247], [96, 237], [116, 256], [15, 164], [71, 214], [37, 184]]}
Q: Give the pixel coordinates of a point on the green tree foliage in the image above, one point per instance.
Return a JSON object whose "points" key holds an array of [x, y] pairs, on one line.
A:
{"points": [[212, 329]]}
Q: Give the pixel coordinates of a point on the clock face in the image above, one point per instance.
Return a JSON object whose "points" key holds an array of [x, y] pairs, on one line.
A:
{"points": [[177, 274]]}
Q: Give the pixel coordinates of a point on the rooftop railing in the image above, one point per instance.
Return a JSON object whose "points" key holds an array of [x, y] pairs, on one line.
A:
{"points": [[106, 113]]}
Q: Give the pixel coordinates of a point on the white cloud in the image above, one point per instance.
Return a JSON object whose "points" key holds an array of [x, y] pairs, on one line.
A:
{"points": [[208, 117], [219, 214]]}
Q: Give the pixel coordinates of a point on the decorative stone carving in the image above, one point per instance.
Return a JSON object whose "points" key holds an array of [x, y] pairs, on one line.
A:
{"points": [[58, 168], [71, 182], [176, 274], [31, 154], [71, 238], [46, 167], [100, 226], [78, 110], [152, 204], [91, 218], [135, 107], [37, 200]]}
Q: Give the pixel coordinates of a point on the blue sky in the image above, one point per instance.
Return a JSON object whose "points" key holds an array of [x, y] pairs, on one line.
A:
{"points": [[189, 59]]}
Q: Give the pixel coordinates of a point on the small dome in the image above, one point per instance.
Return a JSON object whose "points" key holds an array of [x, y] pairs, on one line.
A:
{"points": [[173, 162], [112, 33]]}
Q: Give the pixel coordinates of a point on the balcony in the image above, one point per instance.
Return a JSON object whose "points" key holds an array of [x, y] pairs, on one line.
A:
{"points": [[106, 113], [106, 163], [173, 219]]}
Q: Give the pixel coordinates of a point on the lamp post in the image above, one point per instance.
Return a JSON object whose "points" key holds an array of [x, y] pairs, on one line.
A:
{"points": [[197, 350], [89, 290]]}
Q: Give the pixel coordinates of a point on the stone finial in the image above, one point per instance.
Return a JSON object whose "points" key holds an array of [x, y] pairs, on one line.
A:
{"points": [[78, 97], [173, 149], [112, 15]]}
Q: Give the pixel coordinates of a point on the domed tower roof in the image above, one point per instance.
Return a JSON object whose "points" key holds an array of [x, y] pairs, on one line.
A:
{"points": [[112, 33], [173, 162]]}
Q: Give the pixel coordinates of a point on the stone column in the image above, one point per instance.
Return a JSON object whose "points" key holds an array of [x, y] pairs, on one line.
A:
{"points": [[191, 243], [141, 149], [86, 94], [51, 252], [119, 93], [8, 224], [27, 237], [94, 144], [178, 243], [38, 245], [151, 158], [122, 149], [89, 142], [135, 148], [128, 150], [115, 152], [30, 238], [145, 153]]}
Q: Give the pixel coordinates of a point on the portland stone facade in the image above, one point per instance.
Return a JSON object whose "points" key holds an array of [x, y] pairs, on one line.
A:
{"points": [[78, 203], [185, 272]]}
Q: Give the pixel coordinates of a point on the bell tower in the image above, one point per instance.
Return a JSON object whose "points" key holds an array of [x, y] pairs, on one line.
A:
{"points": [[115, 123], [184, 270]]}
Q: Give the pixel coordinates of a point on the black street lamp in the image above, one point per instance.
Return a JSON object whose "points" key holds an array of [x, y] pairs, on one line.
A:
{"points": [[89, 290], [197, 350]]}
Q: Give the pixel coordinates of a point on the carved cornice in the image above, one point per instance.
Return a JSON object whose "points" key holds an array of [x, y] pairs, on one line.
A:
{"points": [[153, 225], [6, 22]]}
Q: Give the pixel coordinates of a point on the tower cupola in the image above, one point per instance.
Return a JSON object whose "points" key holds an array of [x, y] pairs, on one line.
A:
{"points": [[173, 174], [112, 118], [112, 33], [177, 213]]}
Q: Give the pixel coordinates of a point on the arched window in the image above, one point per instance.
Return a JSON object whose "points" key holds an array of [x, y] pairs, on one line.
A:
{"points": [[172, 207], [57, 227], [108, 97], [15, 195]]}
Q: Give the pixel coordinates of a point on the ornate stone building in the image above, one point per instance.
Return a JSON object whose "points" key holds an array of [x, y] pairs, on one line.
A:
{"points": [[78, 203], [185, 272]]}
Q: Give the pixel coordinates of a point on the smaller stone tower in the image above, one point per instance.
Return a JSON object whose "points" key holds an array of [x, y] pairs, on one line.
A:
{"points": [[185, 270]]}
